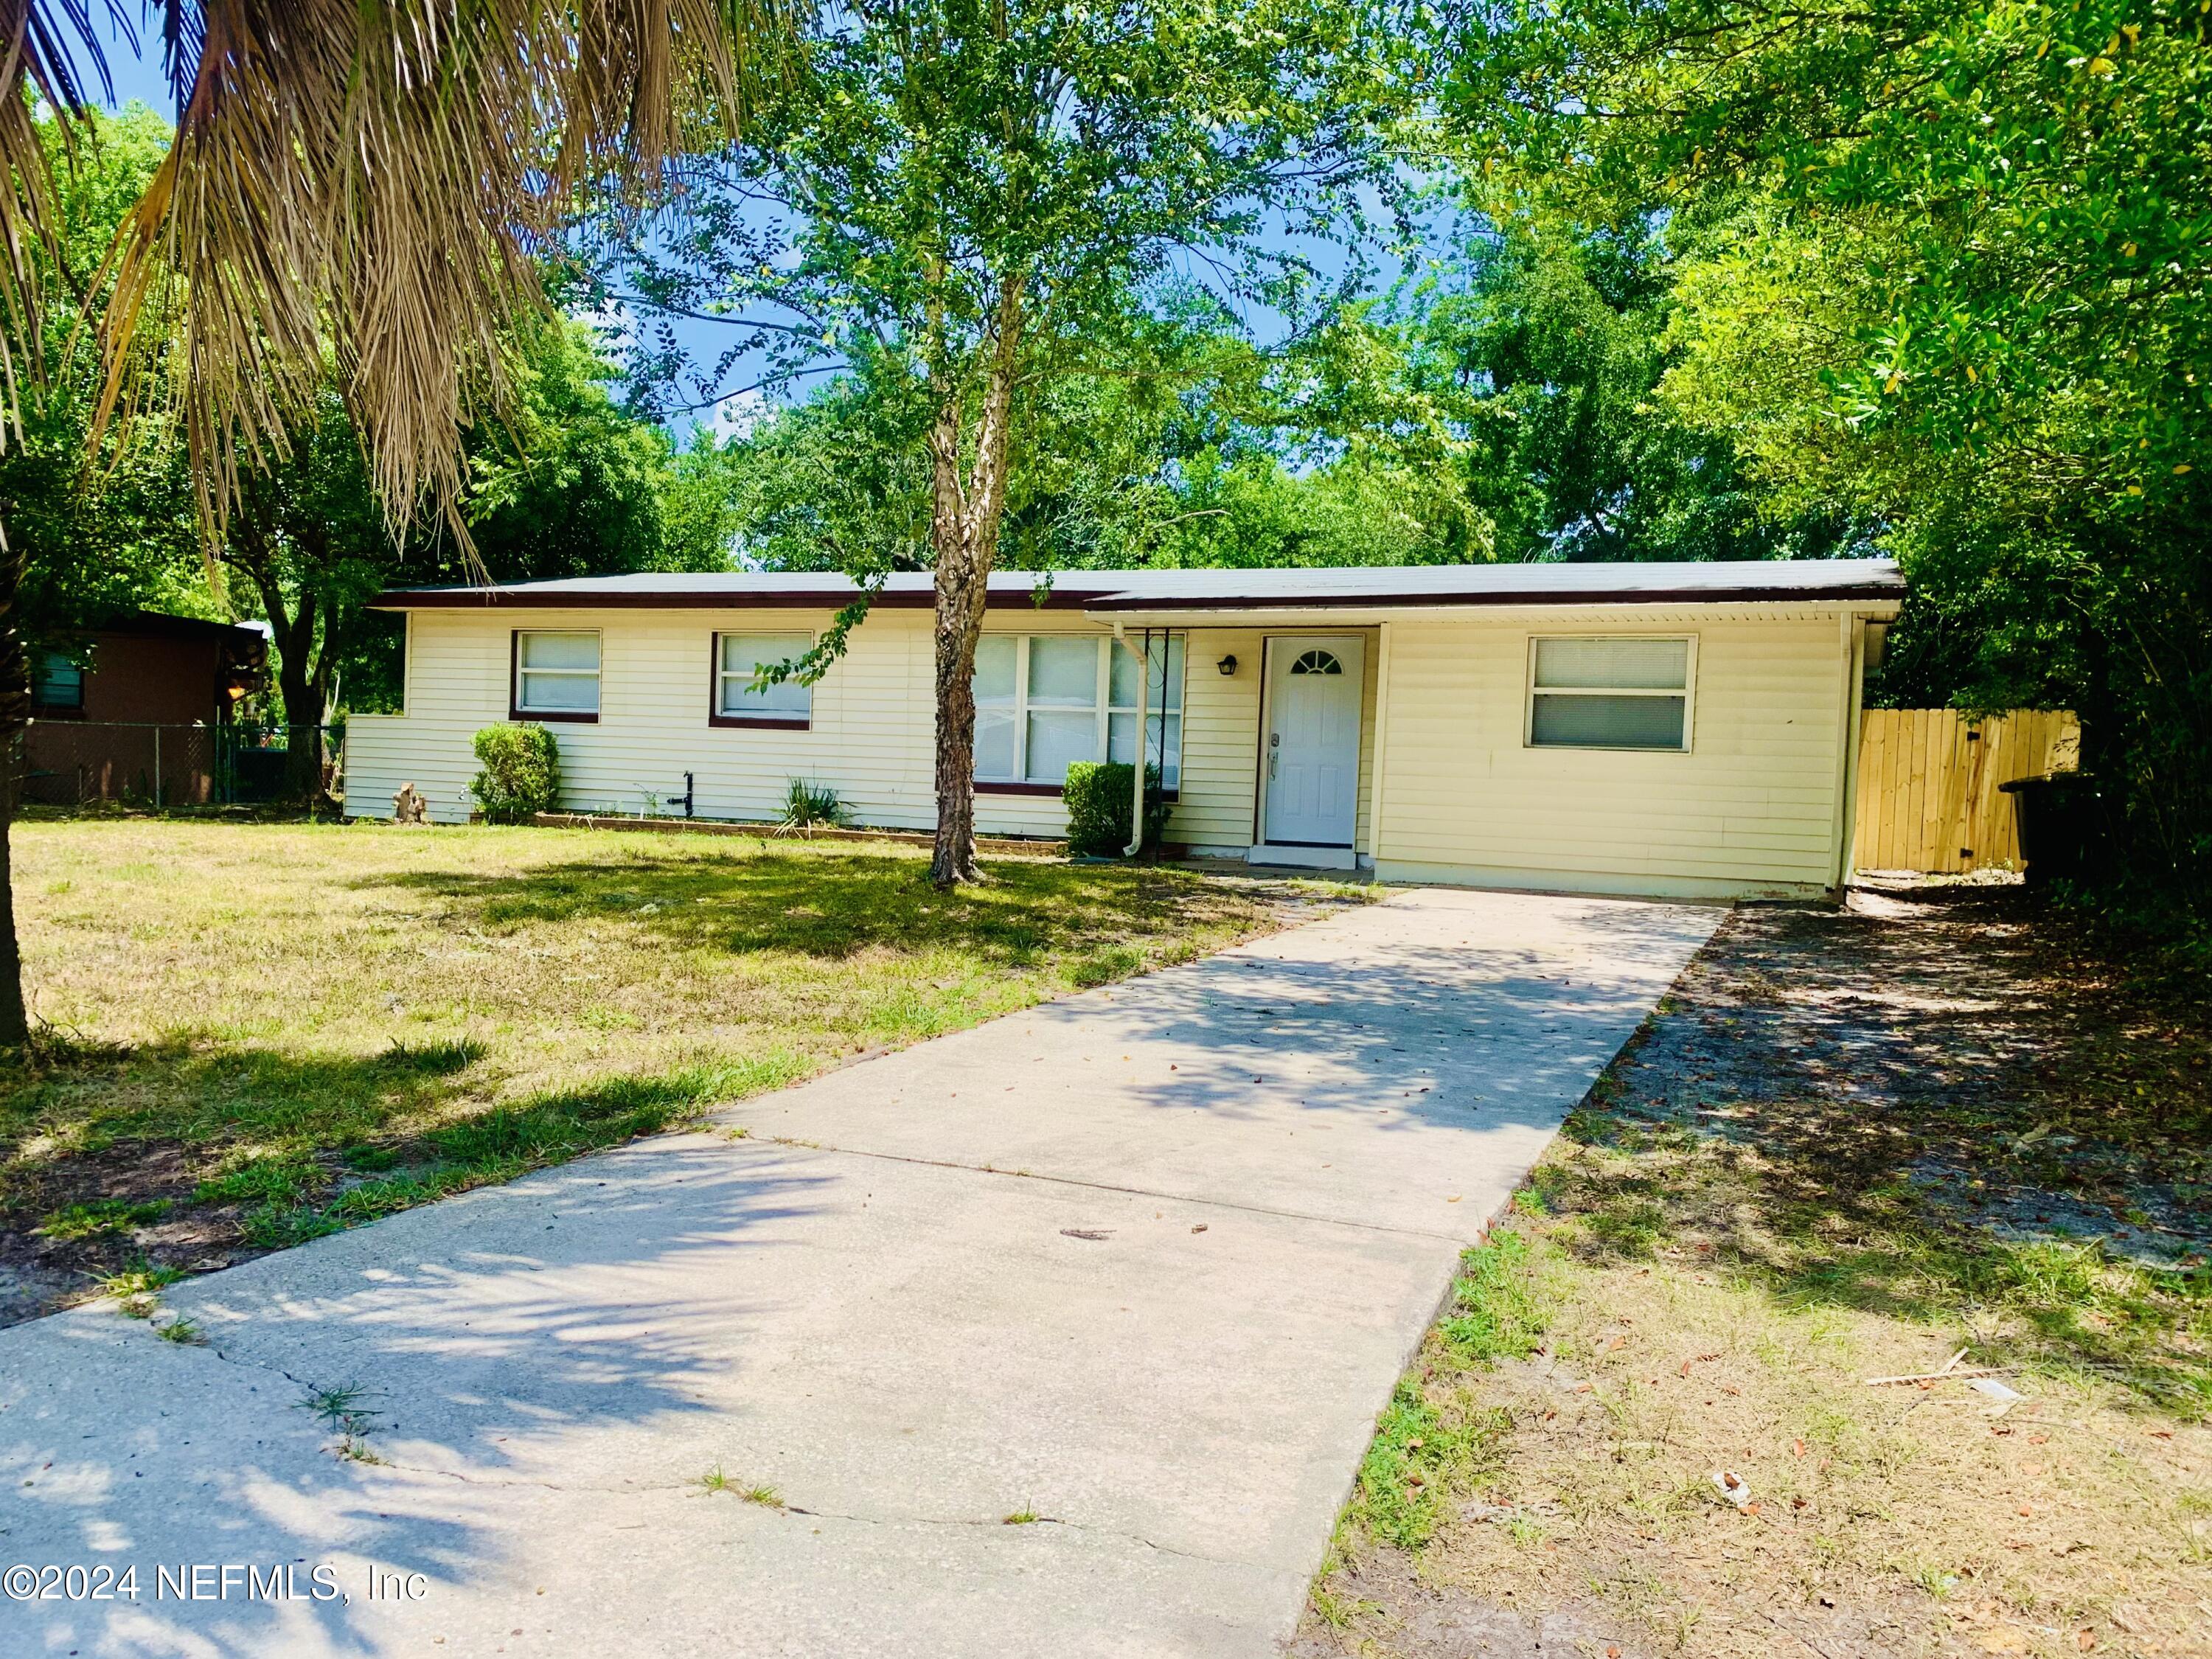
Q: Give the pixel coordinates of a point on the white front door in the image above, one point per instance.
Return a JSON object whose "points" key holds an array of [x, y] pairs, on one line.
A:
{"points": [[1311, 756]]}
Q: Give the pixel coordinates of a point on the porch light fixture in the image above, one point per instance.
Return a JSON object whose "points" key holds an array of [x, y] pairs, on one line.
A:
{"points": [[1227, 666]]}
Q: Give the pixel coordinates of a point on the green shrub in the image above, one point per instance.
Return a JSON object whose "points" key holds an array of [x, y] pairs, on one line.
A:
{"points": [[521, 774], [1097, 797]]}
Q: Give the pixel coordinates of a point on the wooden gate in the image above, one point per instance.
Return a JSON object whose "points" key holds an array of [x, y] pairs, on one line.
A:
{"points": [[1928, 785]]}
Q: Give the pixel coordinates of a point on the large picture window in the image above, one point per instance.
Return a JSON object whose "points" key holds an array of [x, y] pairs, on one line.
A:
{"points": [[737, 659], [556, 675], [1623, 692], [1044, 701]]}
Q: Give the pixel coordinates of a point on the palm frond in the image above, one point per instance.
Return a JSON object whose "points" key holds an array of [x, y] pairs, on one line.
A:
{"points": [[46, 53], [368, 187]]}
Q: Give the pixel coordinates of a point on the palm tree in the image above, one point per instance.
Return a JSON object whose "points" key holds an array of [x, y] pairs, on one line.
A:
{"points": [[362, 186]]}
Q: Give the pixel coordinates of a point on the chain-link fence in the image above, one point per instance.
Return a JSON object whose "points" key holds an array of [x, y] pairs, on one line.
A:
{"points": [[78, 763]]}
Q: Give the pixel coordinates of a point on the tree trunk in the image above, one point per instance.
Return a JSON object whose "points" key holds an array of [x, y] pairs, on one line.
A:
{"points": [[963, 529], [14, 1023], [15, 717], [303, 726], [960, 594], [299, 677]]}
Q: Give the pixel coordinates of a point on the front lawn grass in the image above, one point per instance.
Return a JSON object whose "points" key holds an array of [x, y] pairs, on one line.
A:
{"points": [[253, 1033], [1827, 1158]]}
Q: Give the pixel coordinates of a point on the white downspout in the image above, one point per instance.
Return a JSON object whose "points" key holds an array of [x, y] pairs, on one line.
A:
{"points": [[1144, 687], [1848, 860], [1381, 744]]}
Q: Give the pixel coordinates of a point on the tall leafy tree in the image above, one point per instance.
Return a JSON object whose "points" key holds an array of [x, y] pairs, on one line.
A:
{"points": [[566, 481], [128, 505], [308, 541], [962, 198], [1546, 341], [1949, 272], [1181, 444]]}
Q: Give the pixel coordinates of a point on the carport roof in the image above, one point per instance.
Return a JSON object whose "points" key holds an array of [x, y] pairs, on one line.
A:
{"points": [[1713, 582]]}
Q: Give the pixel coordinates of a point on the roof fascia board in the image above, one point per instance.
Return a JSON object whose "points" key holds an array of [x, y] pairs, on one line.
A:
{"points": [[1672, 609], [526, 598], [1868, 598], [1395, 603]]}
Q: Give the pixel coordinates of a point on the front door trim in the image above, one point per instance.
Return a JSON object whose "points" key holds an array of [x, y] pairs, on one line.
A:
{"points": [[1329, 854]]}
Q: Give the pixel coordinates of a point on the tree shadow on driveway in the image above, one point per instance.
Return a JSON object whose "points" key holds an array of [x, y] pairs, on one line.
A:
{"points": [[556, 1336]]}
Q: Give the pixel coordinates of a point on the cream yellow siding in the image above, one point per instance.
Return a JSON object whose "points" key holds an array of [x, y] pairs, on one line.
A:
{"points": [[1750, 808], [1221, 738], [1220, 741], [870, 736]]}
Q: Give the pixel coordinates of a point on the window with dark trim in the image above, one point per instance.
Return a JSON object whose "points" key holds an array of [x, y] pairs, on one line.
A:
{"points": [[738, 659], [556, 675]]}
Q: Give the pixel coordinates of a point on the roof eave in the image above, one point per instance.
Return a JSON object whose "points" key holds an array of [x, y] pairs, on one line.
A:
{"points": [[528, 598], [1126, 605], [1873, 592]]}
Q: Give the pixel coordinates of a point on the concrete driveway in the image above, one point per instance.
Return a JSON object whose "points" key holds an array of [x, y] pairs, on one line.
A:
{"points": [[1143, 1264]]}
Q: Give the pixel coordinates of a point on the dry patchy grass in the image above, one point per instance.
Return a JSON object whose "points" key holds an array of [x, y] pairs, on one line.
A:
{"points": [[255, 1033], [1738, 1230]]}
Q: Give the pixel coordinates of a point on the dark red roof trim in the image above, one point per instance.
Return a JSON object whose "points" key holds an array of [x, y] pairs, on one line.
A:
{"points": [[1062, 599], [1534, 597], [449, 599]]}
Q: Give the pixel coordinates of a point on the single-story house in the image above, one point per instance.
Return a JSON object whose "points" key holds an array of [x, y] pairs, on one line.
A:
{"points": [[1673, 729]]}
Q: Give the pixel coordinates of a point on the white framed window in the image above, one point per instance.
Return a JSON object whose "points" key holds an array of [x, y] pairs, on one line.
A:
{"points": [[737, 659], [1060, 705], [1613, 691], [1044, 701], [556, 675]]}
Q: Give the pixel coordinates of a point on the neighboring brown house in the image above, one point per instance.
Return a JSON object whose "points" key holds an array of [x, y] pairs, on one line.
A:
{"points": [[138, 710]]}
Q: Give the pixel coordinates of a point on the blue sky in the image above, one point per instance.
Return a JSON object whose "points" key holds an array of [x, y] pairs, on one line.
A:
{"points": [[137, 76]]}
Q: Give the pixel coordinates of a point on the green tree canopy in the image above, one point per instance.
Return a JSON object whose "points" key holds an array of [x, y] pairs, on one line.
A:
{"points": [[966, 199], [128, 504], [1942, 272]]}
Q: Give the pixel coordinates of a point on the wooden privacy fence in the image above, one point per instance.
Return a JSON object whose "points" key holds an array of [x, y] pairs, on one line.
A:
{"points": [[1928, 796]]}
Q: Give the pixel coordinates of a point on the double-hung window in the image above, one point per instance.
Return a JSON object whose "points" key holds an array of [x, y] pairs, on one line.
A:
{"points": [[1627, 691], [1044, 701], [556, 675], [739, 658]]}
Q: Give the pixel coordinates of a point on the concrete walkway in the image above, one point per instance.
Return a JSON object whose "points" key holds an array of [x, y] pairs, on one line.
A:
{"points": [[1144, 1263]]}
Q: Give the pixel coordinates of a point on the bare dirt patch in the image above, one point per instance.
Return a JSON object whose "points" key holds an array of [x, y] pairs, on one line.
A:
{"points": [[1850, 1144]]}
